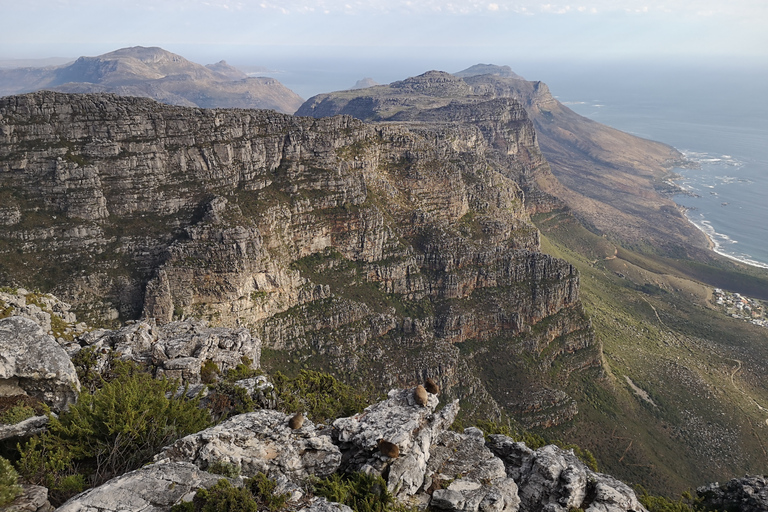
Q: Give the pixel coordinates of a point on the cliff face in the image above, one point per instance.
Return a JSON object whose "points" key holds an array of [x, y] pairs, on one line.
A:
{"points": [[394, 251], [614, 181]]}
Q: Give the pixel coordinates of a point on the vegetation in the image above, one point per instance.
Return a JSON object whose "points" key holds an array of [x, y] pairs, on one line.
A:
{"points": [[16, 408], [360, 491], [258, 493], [114, 430], [320, 396], [9, 489]]}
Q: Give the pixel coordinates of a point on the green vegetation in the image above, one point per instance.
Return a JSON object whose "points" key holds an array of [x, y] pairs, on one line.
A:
{"points": [[9, 489], [16, 408], [116, 429], [360, 491], [661, 504], [678, 376], [320, 396], [258, 493]]}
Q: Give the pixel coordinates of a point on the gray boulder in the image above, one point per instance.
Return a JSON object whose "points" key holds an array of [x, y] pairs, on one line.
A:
{"points": [[33, 498], [179, 349], [399, 420], [26, 428], [555, 480], [156, 487], [465, 476], [747, 494], [261, 442], [32, 363]]}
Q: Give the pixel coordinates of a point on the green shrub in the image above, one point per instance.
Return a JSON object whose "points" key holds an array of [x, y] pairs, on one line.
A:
{"points": [[226, 399], [320, 395], [360, 491], [263, 489], [16, 408], [662, 504], [117, 429], [258, 493], [94, 369], [9, 489], [16, 414], [209, 372], [242, 371]]}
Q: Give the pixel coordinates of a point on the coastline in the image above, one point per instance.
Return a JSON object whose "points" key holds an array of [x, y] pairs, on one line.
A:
{"points": [[714, 245]]}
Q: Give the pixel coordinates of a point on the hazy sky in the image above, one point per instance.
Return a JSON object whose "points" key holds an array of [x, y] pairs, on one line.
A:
{"points": [[210, 30]]}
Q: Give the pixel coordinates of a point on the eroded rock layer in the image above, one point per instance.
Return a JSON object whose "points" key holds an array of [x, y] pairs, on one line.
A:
{"points": [[385, 252]]}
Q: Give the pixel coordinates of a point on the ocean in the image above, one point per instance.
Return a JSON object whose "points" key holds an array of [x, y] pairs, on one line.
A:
{"points": [[714, 112], [717, 118]]}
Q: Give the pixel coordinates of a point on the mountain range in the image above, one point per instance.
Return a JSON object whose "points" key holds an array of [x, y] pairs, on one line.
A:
{"points": [[465, 227], [158, 74]]}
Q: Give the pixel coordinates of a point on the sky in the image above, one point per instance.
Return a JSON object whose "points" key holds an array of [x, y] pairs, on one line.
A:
{"points": [[244, 30]]}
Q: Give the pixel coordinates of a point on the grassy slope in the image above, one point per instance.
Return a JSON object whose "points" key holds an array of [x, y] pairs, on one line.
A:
{"points": [[704, 372]]}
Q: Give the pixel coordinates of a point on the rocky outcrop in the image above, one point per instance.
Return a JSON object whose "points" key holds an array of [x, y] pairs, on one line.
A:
{"points": [[747, 494], [261, 442], [431, 467], [32, 363], [178, 350], [552, 479], [33, 498], [152, 488], [382, 247]]}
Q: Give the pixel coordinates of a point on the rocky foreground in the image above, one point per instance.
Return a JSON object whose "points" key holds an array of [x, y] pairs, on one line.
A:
{"points": [[424, 462], [430, 466]]}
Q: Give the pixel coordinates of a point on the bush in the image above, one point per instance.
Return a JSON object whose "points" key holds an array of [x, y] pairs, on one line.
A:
{"points": [[319, 395], [661, 504], [9, 489], [209, 372], [242, 371], [360, 491], [117, 429], [257, 493]]}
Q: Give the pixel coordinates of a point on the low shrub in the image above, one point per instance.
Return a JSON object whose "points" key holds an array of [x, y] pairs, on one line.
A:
{"points": [[9, 489], [117, 429], [359, 491], [320, 396], [258, 493]]}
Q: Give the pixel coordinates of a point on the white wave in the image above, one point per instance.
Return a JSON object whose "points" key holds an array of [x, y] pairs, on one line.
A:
{"points": [[706, 227]]}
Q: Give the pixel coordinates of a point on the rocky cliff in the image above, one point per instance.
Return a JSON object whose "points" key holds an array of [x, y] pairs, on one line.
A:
{"points": [[393, 251], [615, 182]]}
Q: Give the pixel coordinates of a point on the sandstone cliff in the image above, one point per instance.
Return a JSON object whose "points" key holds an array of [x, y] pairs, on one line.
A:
{"points": [[392, 252], [615, 182]]}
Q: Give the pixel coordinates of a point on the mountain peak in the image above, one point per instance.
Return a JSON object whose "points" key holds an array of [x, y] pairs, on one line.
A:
{"points": [[488, 69]]}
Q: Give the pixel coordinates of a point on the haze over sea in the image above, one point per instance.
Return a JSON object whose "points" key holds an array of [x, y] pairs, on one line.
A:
{"points": [[716, 114]]}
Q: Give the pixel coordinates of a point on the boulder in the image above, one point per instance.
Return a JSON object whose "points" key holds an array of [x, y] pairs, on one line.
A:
{"points": [[27, 428], [465, 476], [399, 420], [261, 442], [555, 480], [32, 363], [747, 494], [33, 498], [156, 487], [179, 349]]}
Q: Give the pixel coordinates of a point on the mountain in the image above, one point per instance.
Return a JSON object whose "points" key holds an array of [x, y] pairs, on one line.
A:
{"points": [[158, 74], [615, 182], [386, 253]]}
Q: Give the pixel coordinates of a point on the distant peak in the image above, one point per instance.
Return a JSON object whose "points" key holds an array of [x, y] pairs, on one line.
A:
{"points": [[488, 69], [365, 83]]}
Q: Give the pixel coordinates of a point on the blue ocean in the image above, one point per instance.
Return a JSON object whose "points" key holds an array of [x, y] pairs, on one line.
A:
{"points": [[716, 113], [718, 118]]}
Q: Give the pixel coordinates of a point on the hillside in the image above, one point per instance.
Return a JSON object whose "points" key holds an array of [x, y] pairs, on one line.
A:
{"points": [[157, 74]]}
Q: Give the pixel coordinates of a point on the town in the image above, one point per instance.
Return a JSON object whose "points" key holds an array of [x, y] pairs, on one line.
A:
{"points": [[739, 306]]}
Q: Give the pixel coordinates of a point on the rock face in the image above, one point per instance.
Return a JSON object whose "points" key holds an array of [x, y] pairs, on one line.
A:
{"points": [[381, 249], [747, 494], [260, 442], [629, 202], [552, 479], [179, 349], [442, 469], [32, 363]]}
